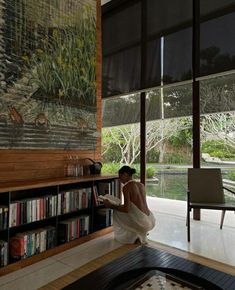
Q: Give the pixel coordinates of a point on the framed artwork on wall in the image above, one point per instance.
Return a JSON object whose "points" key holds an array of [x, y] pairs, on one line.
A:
{"points": [[48, 74]]}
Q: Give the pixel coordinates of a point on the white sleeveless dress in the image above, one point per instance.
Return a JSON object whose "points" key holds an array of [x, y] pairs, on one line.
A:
{"points": [[128, 227]]}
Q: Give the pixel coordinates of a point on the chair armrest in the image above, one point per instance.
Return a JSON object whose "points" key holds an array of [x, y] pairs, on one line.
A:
{"points": [[229, 190]]}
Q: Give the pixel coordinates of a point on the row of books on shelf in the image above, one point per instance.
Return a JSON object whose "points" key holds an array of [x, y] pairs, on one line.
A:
{"points": [[39, 208], [29, 243], [31, 210], [78, 199], [35, 209], [74, 228]]}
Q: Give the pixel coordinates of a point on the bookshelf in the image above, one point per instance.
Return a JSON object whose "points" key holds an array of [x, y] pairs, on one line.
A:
{"points": [[44, 217]]}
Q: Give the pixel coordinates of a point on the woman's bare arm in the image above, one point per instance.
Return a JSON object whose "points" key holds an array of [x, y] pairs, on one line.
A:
{"points": [[124, 207]]}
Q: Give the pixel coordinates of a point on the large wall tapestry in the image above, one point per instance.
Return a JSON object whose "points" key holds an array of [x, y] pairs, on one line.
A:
{"points": [[47, 74]]}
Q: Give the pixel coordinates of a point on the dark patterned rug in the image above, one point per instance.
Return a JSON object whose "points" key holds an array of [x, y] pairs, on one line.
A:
{"points": [[138, 263]]}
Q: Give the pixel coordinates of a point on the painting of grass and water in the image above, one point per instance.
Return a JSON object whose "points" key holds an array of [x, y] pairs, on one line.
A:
{"points": [[47, 74]]}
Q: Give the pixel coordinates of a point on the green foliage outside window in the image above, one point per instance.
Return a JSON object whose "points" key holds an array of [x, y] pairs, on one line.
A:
{"points": [[231, 176], [218, 149], [112, 168]]}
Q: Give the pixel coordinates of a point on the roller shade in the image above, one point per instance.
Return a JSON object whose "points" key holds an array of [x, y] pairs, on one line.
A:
{"points": [[167, 37], [217, 44], [123, 40]]}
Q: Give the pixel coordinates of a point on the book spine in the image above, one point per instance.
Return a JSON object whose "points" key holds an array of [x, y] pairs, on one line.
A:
{"points": [[17, 247], [12, 218], [5, 263], [38, 209], [1, 218], [78, 228], [87, 225], [84, 199], [34, 210], [59, 204], [37, 242]]}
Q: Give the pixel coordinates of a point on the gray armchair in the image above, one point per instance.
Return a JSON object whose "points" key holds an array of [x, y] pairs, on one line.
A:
{"points": [[206, 191]]}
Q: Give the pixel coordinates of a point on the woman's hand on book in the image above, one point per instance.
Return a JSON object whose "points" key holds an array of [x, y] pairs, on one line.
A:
{"points": [[107, 203]]}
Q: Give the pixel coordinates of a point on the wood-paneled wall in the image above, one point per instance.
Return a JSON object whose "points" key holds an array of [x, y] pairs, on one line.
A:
{"points": [[39, 164]]}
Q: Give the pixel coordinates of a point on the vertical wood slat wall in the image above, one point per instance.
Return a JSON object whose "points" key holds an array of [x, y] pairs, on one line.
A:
{"points": [[36, 164]]}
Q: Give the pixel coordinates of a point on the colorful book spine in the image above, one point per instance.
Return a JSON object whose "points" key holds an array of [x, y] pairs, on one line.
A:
{"points": [[3, 253], [17, 247]]}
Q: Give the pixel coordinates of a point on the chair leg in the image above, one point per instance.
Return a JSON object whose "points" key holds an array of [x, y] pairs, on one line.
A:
{"points": [[222, 218], [188, 224]]}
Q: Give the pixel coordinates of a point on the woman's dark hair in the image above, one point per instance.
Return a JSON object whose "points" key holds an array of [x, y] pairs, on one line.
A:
{"points": [[127, 169]]}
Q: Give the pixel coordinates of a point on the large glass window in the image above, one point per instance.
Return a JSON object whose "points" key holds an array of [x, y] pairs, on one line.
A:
{"points": [[169, 141], [121, 133], [121, 72], [217, 36], [153, 63], [163, 51], [127, 21], [121, 48], [217, 126], [177, 56], [166, 38], [166, 15]]}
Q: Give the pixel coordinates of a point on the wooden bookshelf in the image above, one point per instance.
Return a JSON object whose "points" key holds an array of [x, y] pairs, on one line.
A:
{"points": [[51, 252], [22, 185], [19, 191]]}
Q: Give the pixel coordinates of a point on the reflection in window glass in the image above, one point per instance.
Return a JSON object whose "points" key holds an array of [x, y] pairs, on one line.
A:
{"points": [[121, 72], [153, 63], [167, 14], [177, 56], [171, 102], [121, 110], [209, 7], [217, 94], [121, 28], [217, 45]]}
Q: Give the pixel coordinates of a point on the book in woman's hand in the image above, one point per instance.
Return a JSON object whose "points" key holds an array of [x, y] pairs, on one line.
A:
{"points": [[112, 199]]}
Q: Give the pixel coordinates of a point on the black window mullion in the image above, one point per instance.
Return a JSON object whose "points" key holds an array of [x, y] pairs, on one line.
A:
{"points": [[196, 92], [143, 94]]}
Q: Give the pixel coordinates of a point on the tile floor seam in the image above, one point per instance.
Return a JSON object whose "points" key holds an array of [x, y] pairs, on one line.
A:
{"points": [[68, 265], [31, 273], [68, 256], [23, 275]]}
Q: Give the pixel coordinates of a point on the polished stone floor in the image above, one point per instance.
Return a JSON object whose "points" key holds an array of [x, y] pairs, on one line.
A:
{"points": [[206, 240]]}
